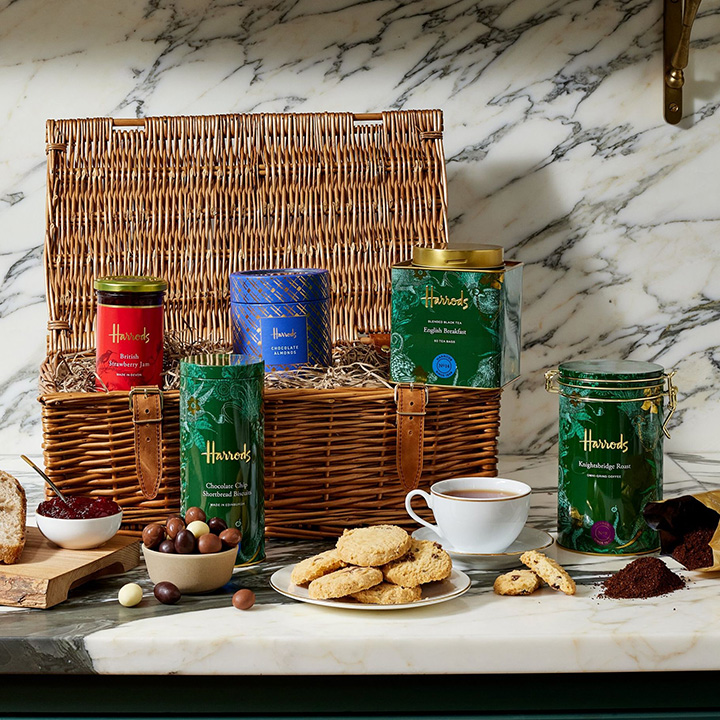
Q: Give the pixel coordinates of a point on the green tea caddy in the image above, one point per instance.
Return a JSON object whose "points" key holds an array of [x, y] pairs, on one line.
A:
{"points": [[222, 444], [610, 452], [456, 317]]}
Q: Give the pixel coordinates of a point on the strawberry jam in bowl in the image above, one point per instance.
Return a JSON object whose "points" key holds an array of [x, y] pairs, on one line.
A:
{"points": [[80, 523]]}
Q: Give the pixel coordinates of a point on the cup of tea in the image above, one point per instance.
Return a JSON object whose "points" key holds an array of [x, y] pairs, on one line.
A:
{"points": [[475, 514]]}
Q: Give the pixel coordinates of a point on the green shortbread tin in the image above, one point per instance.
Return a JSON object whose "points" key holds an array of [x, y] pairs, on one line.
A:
{"points": [[456, 318], [222, 444]]}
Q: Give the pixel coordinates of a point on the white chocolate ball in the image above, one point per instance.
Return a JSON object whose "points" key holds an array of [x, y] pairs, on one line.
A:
{"points": [[130, 595], [198, 528]]}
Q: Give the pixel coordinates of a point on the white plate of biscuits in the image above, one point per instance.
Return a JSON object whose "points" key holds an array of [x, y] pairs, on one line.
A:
{"points": [[456, 585], [374, 568]]}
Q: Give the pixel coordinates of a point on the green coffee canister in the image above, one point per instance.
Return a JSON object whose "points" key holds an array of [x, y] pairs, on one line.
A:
{"points": [[612, 422], [222, 444]]}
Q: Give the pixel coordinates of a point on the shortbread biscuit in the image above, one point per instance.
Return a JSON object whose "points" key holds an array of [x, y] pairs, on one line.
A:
{"points": [[424, 562], [552, 573], [372, 546], [388, 594], [517, 582], [343, 582], [316, 566]]}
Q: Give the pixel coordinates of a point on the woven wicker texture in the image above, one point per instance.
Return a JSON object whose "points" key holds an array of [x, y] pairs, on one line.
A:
{"points": [[329, 454], [193, 199]]}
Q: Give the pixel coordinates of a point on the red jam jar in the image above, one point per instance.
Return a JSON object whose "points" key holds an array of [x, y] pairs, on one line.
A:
{"points": [[129, 331]]}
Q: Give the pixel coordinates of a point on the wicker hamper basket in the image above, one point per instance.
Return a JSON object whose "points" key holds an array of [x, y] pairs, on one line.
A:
{"points": [[192, 199]]}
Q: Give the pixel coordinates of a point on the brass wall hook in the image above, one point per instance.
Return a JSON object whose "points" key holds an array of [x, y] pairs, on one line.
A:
{"points": [[677, 26]]}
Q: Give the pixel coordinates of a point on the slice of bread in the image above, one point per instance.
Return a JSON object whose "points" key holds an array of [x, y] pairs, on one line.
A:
{"points": [[13, 513]]}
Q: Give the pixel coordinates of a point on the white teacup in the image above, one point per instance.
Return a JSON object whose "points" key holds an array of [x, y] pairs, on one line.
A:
{"points": [[476, 514]]}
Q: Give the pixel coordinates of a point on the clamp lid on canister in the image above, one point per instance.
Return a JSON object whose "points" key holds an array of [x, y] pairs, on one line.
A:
{"points": [[610, 371]]}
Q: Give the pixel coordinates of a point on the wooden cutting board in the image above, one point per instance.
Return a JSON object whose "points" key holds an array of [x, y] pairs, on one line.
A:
{"points": [[45, 573]]}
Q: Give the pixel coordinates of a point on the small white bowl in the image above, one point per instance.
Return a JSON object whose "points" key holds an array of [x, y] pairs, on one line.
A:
{"points": [[192, 573], [80, 534]]}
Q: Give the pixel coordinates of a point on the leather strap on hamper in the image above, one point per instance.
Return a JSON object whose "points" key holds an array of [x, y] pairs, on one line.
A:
{"points": [[410, 401], [146, 404]]}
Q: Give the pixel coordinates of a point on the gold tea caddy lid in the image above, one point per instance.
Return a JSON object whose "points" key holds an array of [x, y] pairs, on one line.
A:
{"points": [[490, 257]]}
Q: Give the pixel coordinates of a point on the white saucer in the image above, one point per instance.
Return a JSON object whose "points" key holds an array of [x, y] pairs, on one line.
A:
{"points": [[457, 584], [529, 539]]}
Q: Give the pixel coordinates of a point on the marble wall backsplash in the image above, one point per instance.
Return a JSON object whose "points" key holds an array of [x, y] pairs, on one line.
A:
{"points": [[554, 136]]}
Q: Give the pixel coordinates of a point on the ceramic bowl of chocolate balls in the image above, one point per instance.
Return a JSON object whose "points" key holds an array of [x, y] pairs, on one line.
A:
{"points": [[195, 554]]}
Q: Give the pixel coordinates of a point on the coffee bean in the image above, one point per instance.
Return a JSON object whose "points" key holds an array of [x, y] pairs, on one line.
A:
{"points": [[184, 542], [173, 526], [209, 543], [194, 513], [243, 599], [166, 593], [230, 538], [216, 525], [153, 535]]}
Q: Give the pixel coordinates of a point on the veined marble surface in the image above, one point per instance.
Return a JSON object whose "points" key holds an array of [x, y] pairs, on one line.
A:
{"points": [[555, 142], [479, 632]]}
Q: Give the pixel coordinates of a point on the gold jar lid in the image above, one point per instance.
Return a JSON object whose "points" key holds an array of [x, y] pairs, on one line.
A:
{"points": [[490, 257], [130, 283]]}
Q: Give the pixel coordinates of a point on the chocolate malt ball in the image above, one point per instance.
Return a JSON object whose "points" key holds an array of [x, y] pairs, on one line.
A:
{"points": [[230, 538], [243, 599], [166, 593], [153, 535], [194, 513]]}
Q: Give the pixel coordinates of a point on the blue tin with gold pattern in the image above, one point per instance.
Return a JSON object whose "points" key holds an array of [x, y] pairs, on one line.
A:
{"points": [[282, 316]]}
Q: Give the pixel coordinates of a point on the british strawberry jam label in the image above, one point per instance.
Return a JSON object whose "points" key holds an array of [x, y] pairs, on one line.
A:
{"points": [[129, 346]]}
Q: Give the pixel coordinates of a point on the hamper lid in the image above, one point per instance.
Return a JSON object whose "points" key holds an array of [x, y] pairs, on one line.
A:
{"points": [[254, 287], [223, 366], [610, 370], [210, 195]]}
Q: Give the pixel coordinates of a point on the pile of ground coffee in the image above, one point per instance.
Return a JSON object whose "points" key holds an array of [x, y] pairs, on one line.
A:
{"points": [[694, 552], [645, 577]]}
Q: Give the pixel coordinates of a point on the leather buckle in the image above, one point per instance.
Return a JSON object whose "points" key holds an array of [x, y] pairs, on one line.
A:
{"points": [[411, 386], [146, 390], [146, 407], [410, 431]]}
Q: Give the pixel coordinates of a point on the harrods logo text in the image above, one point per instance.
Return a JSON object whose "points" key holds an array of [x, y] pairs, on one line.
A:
{"points": [[589, 444], [431, 299], [116, 336], [212, 455]]}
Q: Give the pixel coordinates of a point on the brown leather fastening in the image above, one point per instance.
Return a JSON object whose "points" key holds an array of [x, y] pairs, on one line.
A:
{"points": [[411, 401], [146, 406]]}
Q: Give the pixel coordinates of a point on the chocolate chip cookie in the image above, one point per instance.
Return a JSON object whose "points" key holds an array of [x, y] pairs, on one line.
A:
{"points": [[550, 571], [517, 582], [343, 582], [316, 566], [424, 562], [388, 594], [372, 546]]}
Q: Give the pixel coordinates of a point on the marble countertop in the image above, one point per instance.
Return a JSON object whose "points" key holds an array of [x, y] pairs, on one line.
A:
{"points": [[478, 632]]}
